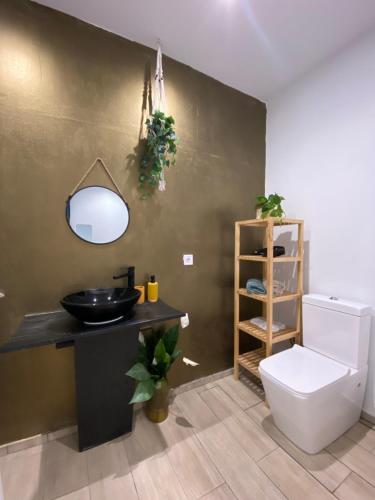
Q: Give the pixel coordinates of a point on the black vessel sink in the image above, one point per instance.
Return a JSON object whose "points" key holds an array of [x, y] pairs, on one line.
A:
{"points": [[101, 305]]}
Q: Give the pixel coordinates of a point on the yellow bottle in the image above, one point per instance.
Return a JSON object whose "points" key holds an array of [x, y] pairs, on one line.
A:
{"points": [[152, 289]]}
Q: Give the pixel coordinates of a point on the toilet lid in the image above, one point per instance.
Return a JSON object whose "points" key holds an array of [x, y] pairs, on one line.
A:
{"points": [[303, 370]]}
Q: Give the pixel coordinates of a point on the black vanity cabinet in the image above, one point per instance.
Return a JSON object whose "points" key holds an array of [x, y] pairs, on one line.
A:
{"points": [[102, 357]]}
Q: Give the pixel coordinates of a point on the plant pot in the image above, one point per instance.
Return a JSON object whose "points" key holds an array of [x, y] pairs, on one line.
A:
{"points": [[157, 407], [258, 213]]}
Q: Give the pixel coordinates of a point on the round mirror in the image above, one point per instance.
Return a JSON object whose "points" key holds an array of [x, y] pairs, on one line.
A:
{"points": [[97, 214]]}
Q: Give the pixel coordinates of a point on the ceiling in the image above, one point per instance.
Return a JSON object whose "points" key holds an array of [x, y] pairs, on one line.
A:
{"points": [[256, 46]]}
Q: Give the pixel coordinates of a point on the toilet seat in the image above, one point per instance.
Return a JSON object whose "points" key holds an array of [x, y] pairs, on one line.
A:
{"points": [[303, 371]]}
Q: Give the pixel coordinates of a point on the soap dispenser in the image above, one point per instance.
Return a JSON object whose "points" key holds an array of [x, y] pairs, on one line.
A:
{"points": [[152, 289]]}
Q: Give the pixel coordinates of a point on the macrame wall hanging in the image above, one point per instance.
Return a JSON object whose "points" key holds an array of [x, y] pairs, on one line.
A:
{"points": [[159, 101], [161, 138]]}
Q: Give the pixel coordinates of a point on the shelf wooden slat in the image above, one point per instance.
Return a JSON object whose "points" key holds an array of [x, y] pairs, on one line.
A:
{"points": [[275, 220], [263, 297], [285, 297], [250, 360], [259, 333], [253, 258], [259, 258]]}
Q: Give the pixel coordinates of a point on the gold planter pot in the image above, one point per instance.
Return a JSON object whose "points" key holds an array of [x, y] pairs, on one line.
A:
{"points": [[157, 407]]}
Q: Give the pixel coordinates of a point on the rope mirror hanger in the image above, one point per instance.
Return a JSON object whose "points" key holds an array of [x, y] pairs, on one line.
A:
{"points": [[99, 161]]}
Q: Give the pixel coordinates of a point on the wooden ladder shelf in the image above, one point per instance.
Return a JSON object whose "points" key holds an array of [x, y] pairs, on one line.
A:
{"points": [[250, 360]]}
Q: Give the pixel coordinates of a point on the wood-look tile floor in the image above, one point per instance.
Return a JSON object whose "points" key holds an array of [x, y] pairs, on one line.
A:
{"points": [[219, 443]]}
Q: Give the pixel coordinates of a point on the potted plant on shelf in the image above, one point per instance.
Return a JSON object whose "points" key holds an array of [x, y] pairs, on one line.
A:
{"points": [[269, 207], [156, 354]]}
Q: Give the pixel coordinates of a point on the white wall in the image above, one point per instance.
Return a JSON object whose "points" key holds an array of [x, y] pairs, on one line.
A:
{"points": [[321, 157]]}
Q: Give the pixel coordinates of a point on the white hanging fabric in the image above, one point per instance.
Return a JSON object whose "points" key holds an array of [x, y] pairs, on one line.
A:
{"points": [[159, 102], [158, 99]]}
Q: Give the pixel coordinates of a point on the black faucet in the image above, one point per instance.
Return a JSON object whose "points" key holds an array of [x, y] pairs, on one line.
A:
{"points": [[131, 276]]}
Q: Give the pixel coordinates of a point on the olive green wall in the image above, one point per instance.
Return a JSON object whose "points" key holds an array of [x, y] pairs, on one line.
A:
{"points": [[70, 92]]}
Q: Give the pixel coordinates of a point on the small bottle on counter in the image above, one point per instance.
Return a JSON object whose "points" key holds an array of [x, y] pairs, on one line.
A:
{"points": [[141, 288], [152, 289]]}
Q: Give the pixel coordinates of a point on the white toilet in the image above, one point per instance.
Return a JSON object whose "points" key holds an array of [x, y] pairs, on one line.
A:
{"points": [[316, 392]]}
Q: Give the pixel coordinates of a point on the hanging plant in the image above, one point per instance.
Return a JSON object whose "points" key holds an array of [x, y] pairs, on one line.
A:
{"points": [[161, 147]]}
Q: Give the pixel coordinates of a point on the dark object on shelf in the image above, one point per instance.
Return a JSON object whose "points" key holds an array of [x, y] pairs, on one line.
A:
{"points": [[277, 251]]}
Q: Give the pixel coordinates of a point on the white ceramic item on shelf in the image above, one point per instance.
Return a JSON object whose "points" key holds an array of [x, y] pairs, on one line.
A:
{"points": [[316, 392], [258, 213]]}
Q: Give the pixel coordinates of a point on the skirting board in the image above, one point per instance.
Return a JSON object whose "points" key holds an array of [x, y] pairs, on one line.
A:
{"points": [[369, 419]]}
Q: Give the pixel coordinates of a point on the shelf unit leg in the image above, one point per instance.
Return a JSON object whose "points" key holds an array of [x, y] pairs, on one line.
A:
{"points": [[236, 353], [264, 274], [299, 283], [237, 239], [269, 274]]}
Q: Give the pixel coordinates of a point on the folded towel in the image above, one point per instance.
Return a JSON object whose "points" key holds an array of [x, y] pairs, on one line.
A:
{"points": [[278, 288], [262, 323], [255, 286]]}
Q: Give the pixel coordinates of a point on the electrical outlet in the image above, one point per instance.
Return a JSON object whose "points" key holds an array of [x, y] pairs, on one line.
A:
{"points": [[188, 259]]}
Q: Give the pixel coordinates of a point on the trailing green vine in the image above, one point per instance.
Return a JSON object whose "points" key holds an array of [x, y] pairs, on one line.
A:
{"points": [[161, 147]]}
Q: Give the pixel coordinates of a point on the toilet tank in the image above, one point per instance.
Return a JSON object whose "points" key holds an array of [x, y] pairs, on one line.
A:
{"points": [[337, 328]]}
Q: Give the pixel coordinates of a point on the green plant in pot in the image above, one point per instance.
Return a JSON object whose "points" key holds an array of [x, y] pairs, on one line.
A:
{"points": [[269, 207], [156, 354], [161, 147]]}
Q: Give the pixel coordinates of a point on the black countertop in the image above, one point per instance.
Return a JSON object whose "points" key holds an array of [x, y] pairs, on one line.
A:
{"points": [[59, 327]]}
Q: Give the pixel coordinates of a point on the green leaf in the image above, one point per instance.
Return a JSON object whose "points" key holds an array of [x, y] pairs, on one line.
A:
{"points": [[162, 360], [142, 354], [143, 392], [161, 369], [160, 351], [275, 199], [175, 355], [152, 339], [138, 372], [170, 338], [261, 200], [167, 360]]}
